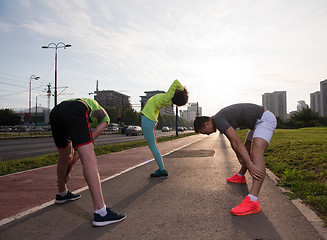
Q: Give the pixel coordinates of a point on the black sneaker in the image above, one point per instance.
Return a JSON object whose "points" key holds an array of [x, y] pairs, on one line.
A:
{"points": [[68, 197], [111, 217], [159, 174]]}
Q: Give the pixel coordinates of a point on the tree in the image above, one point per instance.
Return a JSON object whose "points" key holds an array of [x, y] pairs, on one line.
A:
{"points": [[305, 118], [131, 117], [8, 118]]}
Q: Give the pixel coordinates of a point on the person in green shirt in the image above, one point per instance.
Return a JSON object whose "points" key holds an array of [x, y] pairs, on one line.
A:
{"points": [[71, 122], [176, 94]]}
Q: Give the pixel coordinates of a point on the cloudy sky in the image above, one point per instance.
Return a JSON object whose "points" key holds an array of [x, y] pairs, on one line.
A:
{"points": [[223, 51]]}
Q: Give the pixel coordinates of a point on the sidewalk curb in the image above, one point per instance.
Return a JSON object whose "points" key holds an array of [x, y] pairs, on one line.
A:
{"points": [[310, 215]]}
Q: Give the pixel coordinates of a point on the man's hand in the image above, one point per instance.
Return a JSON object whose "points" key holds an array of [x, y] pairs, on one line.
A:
{"points": [[255, 173]]}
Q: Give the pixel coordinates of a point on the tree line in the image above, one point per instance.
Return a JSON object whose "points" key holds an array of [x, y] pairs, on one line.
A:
{"points": [[300, 119], [127, 115]]}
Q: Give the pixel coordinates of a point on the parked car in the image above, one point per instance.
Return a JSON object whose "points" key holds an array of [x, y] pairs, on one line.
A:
{"points": [[133, 130], [181, 129], [123, 129], [165, 129], [113, 129]]}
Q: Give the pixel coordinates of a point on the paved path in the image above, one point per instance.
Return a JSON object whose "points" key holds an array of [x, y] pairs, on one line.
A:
{"points": [[194, 202]]}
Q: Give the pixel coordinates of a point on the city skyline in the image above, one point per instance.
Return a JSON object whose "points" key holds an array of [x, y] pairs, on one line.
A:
{"points": [[225, 52]]}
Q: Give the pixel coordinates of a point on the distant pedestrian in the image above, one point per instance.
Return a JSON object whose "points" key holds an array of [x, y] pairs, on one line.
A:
{"points": [[176, 94], [262, 125], [71, 122]]}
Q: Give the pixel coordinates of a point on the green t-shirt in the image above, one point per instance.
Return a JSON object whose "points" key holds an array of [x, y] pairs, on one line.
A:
{"points": [[161, 100], [97, 114]]}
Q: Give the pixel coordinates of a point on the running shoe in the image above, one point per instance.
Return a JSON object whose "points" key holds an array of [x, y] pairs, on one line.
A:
{"points": [[68, 197], [237, 179], [159, 174], [246, 207], [111, 217]]}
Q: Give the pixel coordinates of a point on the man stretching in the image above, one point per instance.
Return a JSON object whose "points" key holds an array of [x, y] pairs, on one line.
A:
{"points": [[262, 124]]}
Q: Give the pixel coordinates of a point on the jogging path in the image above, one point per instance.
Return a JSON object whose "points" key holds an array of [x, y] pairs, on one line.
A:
{"points": [[194, 202]]}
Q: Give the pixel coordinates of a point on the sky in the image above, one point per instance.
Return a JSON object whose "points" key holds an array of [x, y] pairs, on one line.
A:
{"points": [[223, 51]]}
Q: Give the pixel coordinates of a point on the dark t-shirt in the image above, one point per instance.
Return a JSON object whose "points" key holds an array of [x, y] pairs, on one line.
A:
{"points": [[242, 115]]}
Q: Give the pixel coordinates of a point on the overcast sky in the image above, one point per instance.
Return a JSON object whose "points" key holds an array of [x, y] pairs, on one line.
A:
{"points": [[223, 51]]}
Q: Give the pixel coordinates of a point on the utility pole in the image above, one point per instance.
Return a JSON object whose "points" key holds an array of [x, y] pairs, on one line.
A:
{"points": [[49, 94], [36, 111], [176, 121]]}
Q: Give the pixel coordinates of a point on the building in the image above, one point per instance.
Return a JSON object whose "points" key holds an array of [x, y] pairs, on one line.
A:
{"points": [[39, 116], [323, 97], [111, 99], [315, 102], [193, 110], [301, 105], [276, 103], [148, 94]]}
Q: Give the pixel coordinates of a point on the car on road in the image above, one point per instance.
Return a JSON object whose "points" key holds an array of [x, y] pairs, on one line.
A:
{"points": [[165, 129], [133, 130], [123, 129], [181, 129]]}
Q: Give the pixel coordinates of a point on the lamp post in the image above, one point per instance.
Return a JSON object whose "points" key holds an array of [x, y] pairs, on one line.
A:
{"points": [[56, 46], [30, 96]]}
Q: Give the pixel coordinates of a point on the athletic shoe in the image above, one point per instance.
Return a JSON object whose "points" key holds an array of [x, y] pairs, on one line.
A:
{"points": [[246, 207], [159, 174], [68, 197], [237, 179], [109, 218]]}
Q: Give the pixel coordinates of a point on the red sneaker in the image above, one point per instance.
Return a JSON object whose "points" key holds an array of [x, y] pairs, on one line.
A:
{"points": [[237, 179], [246, 207]]}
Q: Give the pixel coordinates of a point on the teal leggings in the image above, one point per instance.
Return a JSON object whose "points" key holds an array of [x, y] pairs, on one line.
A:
{"points": [[148, 128]]}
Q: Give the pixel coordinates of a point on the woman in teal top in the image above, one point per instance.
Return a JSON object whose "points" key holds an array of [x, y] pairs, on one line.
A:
{"points": [[176, 94]]}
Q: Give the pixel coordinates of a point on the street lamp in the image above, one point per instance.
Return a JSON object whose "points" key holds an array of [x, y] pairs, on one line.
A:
{"points": [[56, 46], [30, 101]]}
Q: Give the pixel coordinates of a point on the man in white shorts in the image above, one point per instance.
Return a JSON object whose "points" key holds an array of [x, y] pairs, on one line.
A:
{"points": [[262, 124]]}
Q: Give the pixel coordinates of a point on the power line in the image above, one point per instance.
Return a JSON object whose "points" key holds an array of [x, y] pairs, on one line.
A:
{"points": [[11, 94], [14, 85]]}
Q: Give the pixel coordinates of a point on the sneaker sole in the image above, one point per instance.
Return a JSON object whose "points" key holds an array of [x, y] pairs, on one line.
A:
{"points": [[66, 200], [159, 177], [101, 224], [236, 182], [247, 213]]}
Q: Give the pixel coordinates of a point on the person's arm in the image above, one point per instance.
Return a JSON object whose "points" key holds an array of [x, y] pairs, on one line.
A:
{"points": [[242, 153], [98, 130], [176, 85]]}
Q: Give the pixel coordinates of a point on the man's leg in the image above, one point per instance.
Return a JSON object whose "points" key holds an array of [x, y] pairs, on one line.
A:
{"points": [[65, 154], [91, 174], [239, 176], [247, 145], [251, 204], [102, 215], [259, 147]]}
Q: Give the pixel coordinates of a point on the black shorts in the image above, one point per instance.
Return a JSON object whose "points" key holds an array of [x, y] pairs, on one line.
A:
{"points": [[69, 123]]}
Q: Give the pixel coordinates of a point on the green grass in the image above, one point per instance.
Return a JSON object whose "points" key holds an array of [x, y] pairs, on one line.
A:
{"points": [[298, 158], [8, 167]]}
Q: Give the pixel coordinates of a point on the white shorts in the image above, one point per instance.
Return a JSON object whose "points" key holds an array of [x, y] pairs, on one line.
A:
{"points": [[264, 127]]}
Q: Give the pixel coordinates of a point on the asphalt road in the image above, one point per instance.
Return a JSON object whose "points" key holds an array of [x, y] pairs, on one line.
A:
{"points": [[11, 149], [194, 202]]}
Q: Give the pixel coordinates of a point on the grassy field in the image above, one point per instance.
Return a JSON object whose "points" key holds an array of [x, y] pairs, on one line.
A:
{"points": [[299, 158]]}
